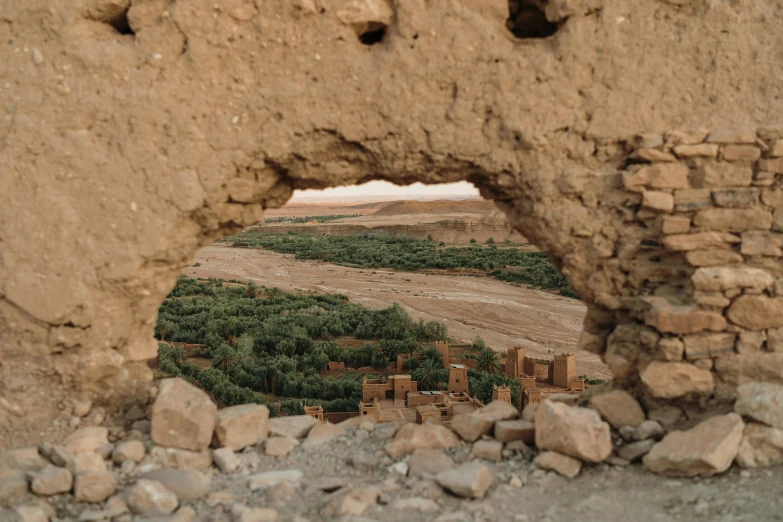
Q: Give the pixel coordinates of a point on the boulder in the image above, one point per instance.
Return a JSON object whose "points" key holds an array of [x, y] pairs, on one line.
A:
{"points": [[721, 278], [471, 427], [508, 430], [488, 449], [706, 449], [280, 446], [761, 401], [322, 433], [619, 408], [183, 416], [577, 432], [761, 446], [185, 484], [87, 462], [497, 411], [94, 486], [470, 480], [425, 463], [421, 436], [86, 439], [670, 380], [296, 426], [148, 497], [567, 466], [240, 426], [52, 481], [26, 459], [225, 459], [649, 429], [132, 450]]}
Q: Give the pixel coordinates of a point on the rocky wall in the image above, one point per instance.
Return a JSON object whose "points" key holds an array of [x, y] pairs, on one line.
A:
{"points": [[135, 131]]}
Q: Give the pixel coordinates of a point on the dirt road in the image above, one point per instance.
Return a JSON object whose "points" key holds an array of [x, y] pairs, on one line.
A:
{"points": [[502, 314]]}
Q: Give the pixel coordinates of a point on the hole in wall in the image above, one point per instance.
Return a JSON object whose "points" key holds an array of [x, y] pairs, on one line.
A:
{"points": [[338, 283], [527, 19], [114, 15], [120, 23], [373, 34]]}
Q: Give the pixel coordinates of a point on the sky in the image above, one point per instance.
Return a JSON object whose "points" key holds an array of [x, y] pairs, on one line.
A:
{"points": [[384, 188]]}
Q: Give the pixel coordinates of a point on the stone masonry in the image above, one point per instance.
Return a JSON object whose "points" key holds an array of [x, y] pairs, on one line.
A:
{"points": [[635, 144]]}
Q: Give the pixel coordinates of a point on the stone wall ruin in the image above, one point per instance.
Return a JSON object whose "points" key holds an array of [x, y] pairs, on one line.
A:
{"points": [[136, 131]]}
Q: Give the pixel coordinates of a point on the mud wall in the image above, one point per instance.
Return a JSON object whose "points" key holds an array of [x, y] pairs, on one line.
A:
{"points": [[135, 131]]}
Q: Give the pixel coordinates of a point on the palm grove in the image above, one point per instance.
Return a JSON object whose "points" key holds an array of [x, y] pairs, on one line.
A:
{"points": [[267, 346]]}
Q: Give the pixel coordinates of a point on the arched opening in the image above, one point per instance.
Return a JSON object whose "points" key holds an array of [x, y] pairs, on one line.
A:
{"points": [[527, 19], [362, 283]]}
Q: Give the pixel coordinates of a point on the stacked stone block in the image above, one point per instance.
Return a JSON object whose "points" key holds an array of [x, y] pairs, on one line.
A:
{"points": [[708, 309]]}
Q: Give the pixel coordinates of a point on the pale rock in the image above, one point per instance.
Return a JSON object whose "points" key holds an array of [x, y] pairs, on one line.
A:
{"points": [[400, 468], [414, 504], [488, 449], [470, 480], [94, 486], [149, 497], [52, 481], [322, 433], [27, 459], [684, 320], [225, 459], [762, 244], [733, 219], [350, 502], [183, 514], [497, 411], [736, 198], [183, 416], [675, 224], [692, 199], [566, 466], [722, 175], [707, 449], [87, 462], [366, 15], [529, 413], [756, 312], [729, 136], [761, 446], [185, 484], [565, 398], [13, 484], [280, 494], [657, 201], [240, 426], [87, 439], [749, 342], [182, 459], [666, 175], [509, 430], [577, 432], [669, 380], [132, 450], [671, 348], [268, 479], [616, 461], [699, 241], [81, 407], [708, 345], [470, 427], [421, 436], [60, 456], [32, 513], [424, 463], [258, 515], [704, 150], [721, 278], [515, 481], [618, 408], [296, 426], [651, 429], [280, 446], [762, 402], [635, 450], [713, 257]]}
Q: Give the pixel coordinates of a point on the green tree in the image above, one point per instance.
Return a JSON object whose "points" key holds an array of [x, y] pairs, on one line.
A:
{"points": [[491, 241], [224, 358], [488, 361], [473, 241], [429, 375]]}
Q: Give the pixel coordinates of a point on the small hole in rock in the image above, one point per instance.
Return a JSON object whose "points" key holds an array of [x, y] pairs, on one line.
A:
{"points": [[373, 34], [120, 23], [527, 19]]}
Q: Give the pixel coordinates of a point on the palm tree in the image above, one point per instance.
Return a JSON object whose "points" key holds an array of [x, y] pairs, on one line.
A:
{"points": [[488, 361], [429, 374], [432, 354], [224, 358]]}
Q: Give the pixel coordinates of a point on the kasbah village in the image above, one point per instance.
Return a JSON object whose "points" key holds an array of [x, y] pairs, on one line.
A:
{"points": [[391, 260]]}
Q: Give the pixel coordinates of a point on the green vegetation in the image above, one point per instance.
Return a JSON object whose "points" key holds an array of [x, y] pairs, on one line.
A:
{"points": [[266, 346], [507, 264], [306, 219]]}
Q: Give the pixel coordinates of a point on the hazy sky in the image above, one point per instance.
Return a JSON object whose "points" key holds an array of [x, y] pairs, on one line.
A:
{"points": [[384, 188]]}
